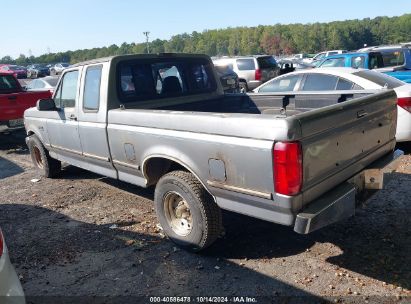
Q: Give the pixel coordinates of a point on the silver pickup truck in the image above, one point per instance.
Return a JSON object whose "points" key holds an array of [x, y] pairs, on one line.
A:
{"points": [[163, 120]]}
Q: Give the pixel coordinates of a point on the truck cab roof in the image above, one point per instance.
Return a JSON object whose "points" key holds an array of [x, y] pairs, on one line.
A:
{"points": [[138, 56]]}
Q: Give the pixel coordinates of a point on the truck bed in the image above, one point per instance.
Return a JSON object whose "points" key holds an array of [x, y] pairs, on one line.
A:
{"points": [[337, 140]]}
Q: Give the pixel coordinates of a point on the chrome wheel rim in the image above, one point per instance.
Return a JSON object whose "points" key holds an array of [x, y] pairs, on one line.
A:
{"points": [[177, 213]]}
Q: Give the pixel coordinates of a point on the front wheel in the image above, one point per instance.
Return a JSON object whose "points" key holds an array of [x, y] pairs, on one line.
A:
{"points": [[48, 166], [186, 211]]}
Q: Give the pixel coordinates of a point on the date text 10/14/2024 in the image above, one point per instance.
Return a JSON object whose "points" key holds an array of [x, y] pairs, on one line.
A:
{"points": [[203, 300]]}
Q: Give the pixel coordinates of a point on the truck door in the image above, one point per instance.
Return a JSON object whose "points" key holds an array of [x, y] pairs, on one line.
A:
{"points": [[62, 125], [92, 119]]}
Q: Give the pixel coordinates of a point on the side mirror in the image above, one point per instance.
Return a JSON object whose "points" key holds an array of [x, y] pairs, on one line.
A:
{"points": [[46, 104]]}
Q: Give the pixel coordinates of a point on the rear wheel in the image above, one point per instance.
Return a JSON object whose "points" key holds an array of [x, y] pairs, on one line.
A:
{"points": [[48, 166], [186, 211]]}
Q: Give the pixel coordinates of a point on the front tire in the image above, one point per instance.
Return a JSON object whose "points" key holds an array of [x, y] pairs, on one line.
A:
{"points": [[186, 211], [48, 166]]}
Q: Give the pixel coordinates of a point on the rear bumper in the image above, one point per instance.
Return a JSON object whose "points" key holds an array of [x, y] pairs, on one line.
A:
{"points": [[339, 203]]}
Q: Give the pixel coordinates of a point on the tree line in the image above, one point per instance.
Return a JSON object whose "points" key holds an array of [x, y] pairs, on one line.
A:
{"points": [[275, 39]]}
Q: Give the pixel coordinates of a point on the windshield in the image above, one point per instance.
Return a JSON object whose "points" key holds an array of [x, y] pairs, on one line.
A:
{"points": [[380, 79], [65, 65]]}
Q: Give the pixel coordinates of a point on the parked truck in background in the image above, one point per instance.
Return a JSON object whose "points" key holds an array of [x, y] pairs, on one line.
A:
{"points": [[14, 100], [164, 121]]}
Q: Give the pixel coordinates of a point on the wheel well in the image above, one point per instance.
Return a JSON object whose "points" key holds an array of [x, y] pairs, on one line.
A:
{"points": [[156, 167], [29, 133]]}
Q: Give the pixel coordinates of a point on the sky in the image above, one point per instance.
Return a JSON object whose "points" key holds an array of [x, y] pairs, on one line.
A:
{"points": [[81, 24]]}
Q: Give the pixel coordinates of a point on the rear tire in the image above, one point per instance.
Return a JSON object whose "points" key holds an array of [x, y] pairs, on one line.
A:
{"points": [[186, 211], [48, 166]]}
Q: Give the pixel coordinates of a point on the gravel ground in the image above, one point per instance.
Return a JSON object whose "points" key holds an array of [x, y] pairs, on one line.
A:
{"points": [[86, 235]]}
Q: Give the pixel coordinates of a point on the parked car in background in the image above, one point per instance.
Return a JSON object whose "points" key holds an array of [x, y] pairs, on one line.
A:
{"points": [[204, 150], [58, 68], [228, 78], [16, 70], [41, 84], [287, 66], [252, 71], [14, 100], [11, 291], [322, 55], [394, 60], [347, 83], [37, 70]]}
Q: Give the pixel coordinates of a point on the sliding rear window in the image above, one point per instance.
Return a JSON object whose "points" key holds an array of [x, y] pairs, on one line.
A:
{"points": [[161, 78]]}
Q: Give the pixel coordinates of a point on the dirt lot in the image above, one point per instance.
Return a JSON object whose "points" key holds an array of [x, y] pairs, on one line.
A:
{"points": [[86, 235]]}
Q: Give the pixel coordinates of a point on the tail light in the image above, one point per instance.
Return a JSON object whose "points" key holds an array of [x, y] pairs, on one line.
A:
{"points": [[258, 74], [405, 103], [287, 167], [1, 243]]}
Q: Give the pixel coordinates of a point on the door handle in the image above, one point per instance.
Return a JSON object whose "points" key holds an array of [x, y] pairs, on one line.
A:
{"points": [[72, 117], [361, 113], [12, 98]]}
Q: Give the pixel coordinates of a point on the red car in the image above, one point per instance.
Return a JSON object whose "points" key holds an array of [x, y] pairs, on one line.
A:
{"points": [[16, 70], [14, 100]]}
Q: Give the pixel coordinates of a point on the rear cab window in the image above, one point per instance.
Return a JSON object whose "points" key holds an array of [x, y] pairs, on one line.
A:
{"points": [[245, 64], [155, 79]]}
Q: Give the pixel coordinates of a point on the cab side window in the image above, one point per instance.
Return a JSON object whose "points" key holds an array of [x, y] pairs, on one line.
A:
{"points": [[66, 93], [91, 96]]}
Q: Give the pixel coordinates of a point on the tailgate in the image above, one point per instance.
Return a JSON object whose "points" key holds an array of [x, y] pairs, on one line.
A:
{"points": [[340, 140]]}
